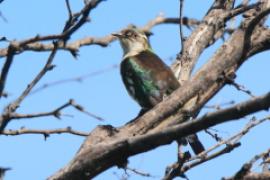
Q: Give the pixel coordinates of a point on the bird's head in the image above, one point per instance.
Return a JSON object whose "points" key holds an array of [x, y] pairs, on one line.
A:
{"points": [[133, 41]]}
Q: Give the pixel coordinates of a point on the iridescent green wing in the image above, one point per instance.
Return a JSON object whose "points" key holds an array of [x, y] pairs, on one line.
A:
{"points": [[147, 78], [139, 83]]}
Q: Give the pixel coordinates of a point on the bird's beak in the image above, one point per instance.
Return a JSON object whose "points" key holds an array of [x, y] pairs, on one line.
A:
{"points": [[118, 35]]}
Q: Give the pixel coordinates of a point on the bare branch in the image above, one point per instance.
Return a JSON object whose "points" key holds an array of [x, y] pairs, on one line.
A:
{"points": [[245, 171], [241, 9], [180, 25], [35, 44], [107, 146], [48, 66], [46, 133], [215, 136], [75, 79], [15, 104], [81, 108], [196, 43], [231, 143], [56, 112], [69, 9], [219, 106], [69, 29], [250, 28], [6, 67], [231, 81], [84, 17], [177, 170], [120, 149], [242, 88], [138, 172]]}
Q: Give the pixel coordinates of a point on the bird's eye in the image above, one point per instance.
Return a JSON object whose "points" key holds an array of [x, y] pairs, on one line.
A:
{"points": [[128, 33]]}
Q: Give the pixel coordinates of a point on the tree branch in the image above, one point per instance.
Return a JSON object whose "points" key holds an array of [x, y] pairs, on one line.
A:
{"points": [[121, 148], [75, 79], [6, 67], [36, 45], [231, 143], [205, 83], [245, 171], [182, 39], [46, 133], [69, 29], [11, 108]]}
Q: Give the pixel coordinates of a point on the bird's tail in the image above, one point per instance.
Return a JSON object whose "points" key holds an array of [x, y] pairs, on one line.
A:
{"points": [[195, 144]]}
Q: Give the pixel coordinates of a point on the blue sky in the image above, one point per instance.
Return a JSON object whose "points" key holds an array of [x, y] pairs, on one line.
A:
{"points": [[30, 157]]}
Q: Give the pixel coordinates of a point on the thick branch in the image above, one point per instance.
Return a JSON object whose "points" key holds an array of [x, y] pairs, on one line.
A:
{"points": [[118, 150], [206, 82], [200, 38]]}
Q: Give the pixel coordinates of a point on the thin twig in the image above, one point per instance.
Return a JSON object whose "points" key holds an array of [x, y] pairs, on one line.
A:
{"points": [[6, 67], [138, 172], [11, 108], [242, 88], [48, 66], [61, 38], [235, 138], [34, 44], [245, 170], [84, 17], [180, 24], [56, 112], [69, 9], [21, 131], [74, 79], [70, 22], [214, 136], [231, 143], [230, 80], [218, 106], [68, 31], [81, 108]]}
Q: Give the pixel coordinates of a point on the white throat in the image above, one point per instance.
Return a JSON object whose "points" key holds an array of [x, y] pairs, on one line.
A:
{"points": [[133, 49]]}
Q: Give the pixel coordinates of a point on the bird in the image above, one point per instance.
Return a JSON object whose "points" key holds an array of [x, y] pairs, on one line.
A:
{"points": [[147, 78]]}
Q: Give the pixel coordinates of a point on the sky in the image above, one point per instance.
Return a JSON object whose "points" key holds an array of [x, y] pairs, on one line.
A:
{"points": [[31, 157]]}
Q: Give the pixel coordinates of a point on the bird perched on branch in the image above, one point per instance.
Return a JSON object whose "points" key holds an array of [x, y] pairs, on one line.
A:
{"points": [[146, 77]]}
